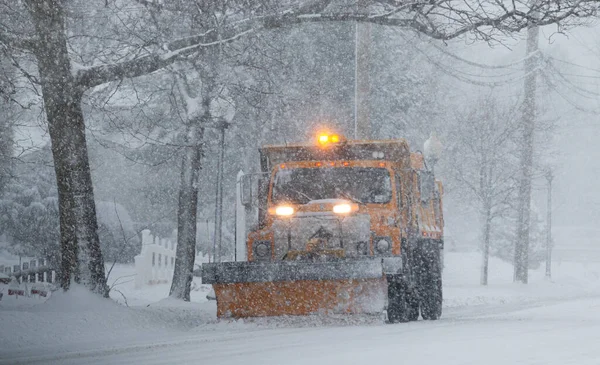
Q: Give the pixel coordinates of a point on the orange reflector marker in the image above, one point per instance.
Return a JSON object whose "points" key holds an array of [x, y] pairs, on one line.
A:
{"points": [[318, 164], [382, 164], [332, 163], [346, 163], [282, 166]]}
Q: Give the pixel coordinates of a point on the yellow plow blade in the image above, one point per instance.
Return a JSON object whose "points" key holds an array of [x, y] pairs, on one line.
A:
{"points": [[248, 289], [300, 297]]}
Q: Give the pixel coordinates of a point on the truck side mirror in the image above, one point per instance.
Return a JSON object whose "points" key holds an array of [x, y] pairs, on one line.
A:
{"points": [[246, 190], [427, 187]]}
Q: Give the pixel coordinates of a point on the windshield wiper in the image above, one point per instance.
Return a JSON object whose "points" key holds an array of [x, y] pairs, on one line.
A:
{"points": [[348, 196], [304, 195]]}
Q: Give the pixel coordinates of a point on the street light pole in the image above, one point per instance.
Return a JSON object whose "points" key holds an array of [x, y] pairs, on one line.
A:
{"points": [[223, 124], [549, 178]]}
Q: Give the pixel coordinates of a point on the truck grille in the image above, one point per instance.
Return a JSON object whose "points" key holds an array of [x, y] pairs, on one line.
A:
{"points": [[351, 233]]}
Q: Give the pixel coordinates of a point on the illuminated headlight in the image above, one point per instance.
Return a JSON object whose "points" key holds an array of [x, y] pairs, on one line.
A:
{"points": [[382, 245], [342, 208], [345, 208], [262, 250], [284, 211]]}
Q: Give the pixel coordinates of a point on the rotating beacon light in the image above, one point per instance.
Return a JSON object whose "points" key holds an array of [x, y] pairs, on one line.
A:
{"points": [[327, 139]]}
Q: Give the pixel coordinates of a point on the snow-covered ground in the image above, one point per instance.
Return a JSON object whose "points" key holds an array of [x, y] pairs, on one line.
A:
{"points": [[545, 322]]}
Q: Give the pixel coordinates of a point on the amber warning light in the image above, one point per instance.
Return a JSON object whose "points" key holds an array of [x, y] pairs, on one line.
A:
{"points": [[326, 139]]}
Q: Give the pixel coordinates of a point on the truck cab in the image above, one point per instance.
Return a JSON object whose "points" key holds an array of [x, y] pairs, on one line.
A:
{"points": [[356, 198]]}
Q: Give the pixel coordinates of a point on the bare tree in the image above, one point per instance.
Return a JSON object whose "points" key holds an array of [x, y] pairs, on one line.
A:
{"points": [[198, 117], [483, 141]]}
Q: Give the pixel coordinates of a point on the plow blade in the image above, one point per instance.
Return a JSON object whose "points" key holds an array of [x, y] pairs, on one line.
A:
{"points": [[257, 289]]}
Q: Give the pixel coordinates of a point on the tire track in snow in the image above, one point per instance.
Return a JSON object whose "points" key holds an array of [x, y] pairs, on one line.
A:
{"points": [[132, 348], [185, 349]]}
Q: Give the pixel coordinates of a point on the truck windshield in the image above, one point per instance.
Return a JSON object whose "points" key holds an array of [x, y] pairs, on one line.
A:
{"points": [[361, 184]]}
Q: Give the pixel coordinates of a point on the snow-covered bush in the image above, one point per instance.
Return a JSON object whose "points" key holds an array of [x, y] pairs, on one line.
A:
{"points": [[31, 223], [503, 239]]}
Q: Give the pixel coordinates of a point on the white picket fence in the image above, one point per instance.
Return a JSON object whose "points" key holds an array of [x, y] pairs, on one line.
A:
{"points": [[155, 264], [26, 289], [31, 270]]}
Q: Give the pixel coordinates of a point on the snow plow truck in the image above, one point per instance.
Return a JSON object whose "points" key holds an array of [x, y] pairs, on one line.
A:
{"points": [[344, 226]]}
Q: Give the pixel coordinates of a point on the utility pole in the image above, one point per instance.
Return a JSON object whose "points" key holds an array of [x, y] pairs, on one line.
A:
{"points": [[362, 122], [549, 178], [521, 259], [208, 242]]}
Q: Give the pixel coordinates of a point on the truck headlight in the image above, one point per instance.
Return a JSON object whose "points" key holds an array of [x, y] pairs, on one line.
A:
{"points": [[345, 208], [342, 208], [284, 210]]}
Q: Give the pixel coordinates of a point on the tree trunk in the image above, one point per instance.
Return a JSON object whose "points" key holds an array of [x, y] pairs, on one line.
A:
{"points": [[485, 252], [549, 177], [521, 259], [186, 214], [190, 172], [6, 145], [81, 256]]}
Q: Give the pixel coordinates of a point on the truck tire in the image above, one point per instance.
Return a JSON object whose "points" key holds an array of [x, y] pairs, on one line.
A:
{"points": [[398, 309], [431, 286], [413, 303]]}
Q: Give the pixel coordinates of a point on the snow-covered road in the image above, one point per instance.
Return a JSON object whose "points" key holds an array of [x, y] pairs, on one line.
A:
{"points": [[545, 322], [545, 332]]}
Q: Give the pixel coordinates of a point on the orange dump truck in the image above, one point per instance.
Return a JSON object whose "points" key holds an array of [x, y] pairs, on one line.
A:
{"points": [[344, 226]]}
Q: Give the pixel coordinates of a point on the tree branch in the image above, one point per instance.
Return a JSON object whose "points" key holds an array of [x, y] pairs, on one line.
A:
{"points": [[505, 21], [93, 76], [461, 21], [9, 41]]}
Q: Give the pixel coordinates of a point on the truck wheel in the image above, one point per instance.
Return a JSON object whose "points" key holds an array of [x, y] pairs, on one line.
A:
{"points": [[431, 288], [398, 309]]}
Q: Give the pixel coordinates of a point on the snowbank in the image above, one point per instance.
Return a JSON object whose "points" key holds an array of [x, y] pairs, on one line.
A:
{"points": [[122, 281], [81, 319]]}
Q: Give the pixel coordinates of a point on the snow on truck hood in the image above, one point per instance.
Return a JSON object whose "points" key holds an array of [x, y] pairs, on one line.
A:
{"points": [[329, 201]]}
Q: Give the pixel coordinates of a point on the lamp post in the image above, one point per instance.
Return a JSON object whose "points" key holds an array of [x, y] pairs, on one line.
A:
{"points": [[221, 126], [222, 109], [432, 150]]}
